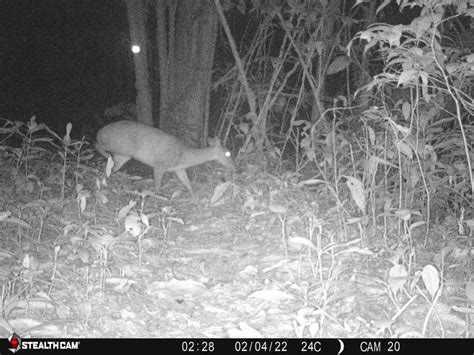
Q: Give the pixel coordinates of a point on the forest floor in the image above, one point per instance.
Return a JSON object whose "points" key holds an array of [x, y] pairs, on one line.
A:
{"points": [[261, 256]]}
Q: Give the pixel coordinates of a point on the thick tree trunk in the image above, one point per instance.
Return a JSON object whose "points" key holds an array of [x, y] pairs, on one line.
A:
{"points": [[186, 58], [144, 101]]}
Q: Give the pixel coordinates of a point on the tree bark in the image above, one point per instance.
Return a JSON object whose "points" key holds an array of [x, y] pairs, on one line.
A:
{"points": [[185, 65], [144, 100]]}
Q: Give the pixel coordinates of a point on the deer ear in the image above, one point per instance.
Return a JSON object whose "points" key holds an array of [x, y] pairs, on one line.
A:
{"points": [[213, 141]]}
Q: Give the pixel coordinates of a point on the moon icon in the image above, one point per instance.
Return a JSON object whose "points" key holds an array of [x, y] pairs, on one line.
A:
{"points": [[342, 347]]}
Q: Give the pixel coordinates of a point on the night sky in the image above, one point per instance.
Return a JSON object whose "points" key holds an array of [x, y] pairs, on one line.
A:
{"points": [[63, 60]]}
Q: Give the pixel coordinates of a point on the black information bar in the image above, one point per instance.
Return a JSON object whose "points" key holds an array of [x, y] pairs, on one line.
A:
{"points": [[239, 346]]}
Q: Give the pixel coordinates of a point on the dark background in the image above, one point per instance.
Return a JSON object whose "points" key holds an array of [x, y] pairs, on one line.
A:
{"points": [[63, 60]]}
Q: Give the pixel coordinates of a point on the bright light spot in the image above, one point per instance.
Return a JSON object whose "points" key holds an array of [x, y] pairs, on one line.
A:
{"points": [[136, 49]]}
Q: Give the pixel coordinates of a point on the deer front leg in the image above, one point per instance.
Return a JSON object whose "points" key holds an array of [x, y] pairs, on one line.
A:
{"points": [[183, 177], [158, 175]]}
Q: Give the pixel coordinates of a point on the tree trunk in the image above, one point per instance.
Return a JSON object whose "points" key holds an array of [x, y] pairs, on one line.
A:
{"points": [[136, 20], [185, 62]]}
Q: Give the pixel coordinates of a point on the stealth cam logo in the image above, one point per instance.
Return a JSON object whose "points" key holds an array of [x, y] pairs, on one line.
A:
{"points": [[14, 342]]}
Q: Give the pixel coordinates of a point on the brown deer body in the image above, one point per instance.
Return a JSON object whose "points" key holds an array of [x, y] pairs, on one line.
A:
{"points": [[124, 140]]}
